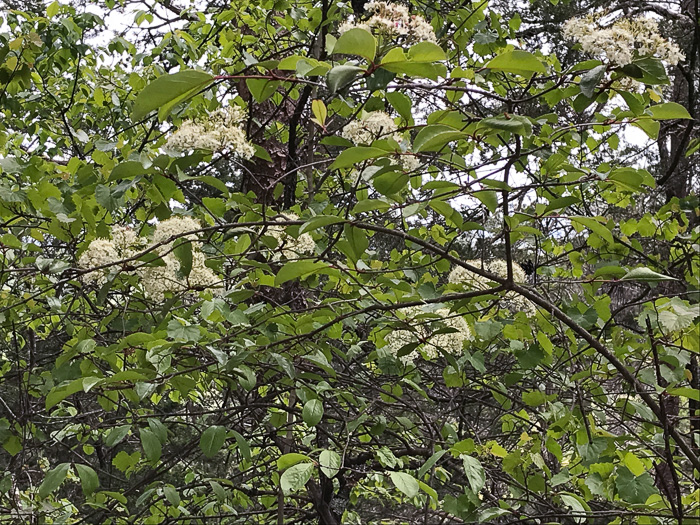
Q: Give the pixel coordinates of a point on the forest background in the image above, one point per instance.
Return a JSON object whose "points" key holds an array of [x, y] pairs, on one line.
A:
{"points": [[363, 262]]}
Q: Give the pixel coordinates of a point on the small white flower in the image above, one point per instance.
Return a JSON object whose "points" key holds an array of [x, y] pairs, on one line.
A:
{"points": [[219, 131], [289, 247], [370, 127], [623, 40], [393, 20], [424, 332], [511, 300]]}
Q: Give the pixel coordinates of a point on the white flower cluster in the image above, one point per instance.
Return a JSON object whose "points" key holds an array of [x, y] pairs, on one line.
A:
{"points": [[378, 125], [219, 131], [424, 332], [370, 127], [624, 40], [155, 280], [511, 300], [393, 20], [289, 247]]}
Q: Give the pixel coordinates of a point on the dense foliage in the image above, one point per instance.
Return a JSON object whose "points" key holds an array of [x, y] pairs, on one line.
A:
{"points": [[327, 262]]}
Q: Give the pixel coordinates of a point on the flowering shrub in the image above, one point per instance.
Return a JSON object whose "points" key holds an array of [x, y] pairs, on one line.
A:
{"points": [[391, 20]]}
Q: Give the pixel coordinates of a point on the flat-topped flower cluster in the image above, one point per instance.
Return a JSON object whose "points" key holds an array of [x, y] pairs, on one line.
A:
{"points": [[423, 331], [155, 281], [473, 281], [289, 247], [393, 20], [220, 130], [375, 125], [624, 40]]}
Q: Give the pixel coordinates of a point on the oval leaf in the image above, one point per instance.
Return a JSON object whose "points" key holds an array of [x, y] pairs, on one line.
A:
{"points": [[167, 88], [357, 41], [53, 479], [212, 440], [312, 412], [88, 478], [294, 478], [405, 483], [518, 62], [329, 461]]}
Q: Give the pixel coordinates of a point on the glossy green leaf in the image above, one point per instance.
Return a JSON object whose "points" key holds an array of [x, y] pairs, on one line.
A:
{"points": [[517, 61], [295, 478], [167, 88], [405, 483], [88, 478], [329, 462], [53, 479], [357, 41], [212, 440], [312, 412]]}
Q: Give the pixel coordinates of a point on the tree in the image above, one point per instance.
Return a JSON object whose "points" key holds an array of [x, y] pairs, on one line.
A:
{"points": [[303, 262]]}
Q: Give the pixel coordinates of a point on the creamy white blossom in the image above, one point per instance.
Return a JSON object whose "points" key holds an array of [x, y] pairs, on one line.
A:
{"points": [[218, 131], [623, 41], [155, 281], [289, 247], [423, 332], [370, 127], [393, 20], [511, 300], [99, 252]]}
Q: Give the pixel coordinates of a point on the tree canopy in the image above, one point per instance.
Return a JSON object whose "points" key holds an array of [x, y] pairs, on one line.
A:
{"points": [[363, 263]]}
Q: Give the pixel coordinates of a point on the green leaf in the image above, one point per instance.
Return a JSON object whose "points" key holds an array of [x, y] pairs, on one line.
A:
{"points": [[167, 88], [475, 473], [329, 462], [634, 489], [357, 41], [669, 111], [261, 88], [341, 76], [401, 103], [488, 199], [405, 483], [298, 270], [576, 504], [452, 216], [426, 52], [647, 70], [183, 332], [318, 108], [390, 183], [357, 240], [319, 221], [312, 412], [116, 435], [595, 226], [517, 61], [590, 80], [151, 445], [690, 393], [212, 440], [171, 495], [88, 478], [296, 477], [646, 274], [183, 253], [353, 156], [288, 460], [53, 479], [105, 197], [430, 462], [435, 137], [513, 123]]}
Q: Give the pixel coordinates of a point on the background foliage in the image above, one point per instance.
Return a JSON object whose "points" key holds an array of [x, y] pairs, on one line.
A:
{"points": [[279, 392]]}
